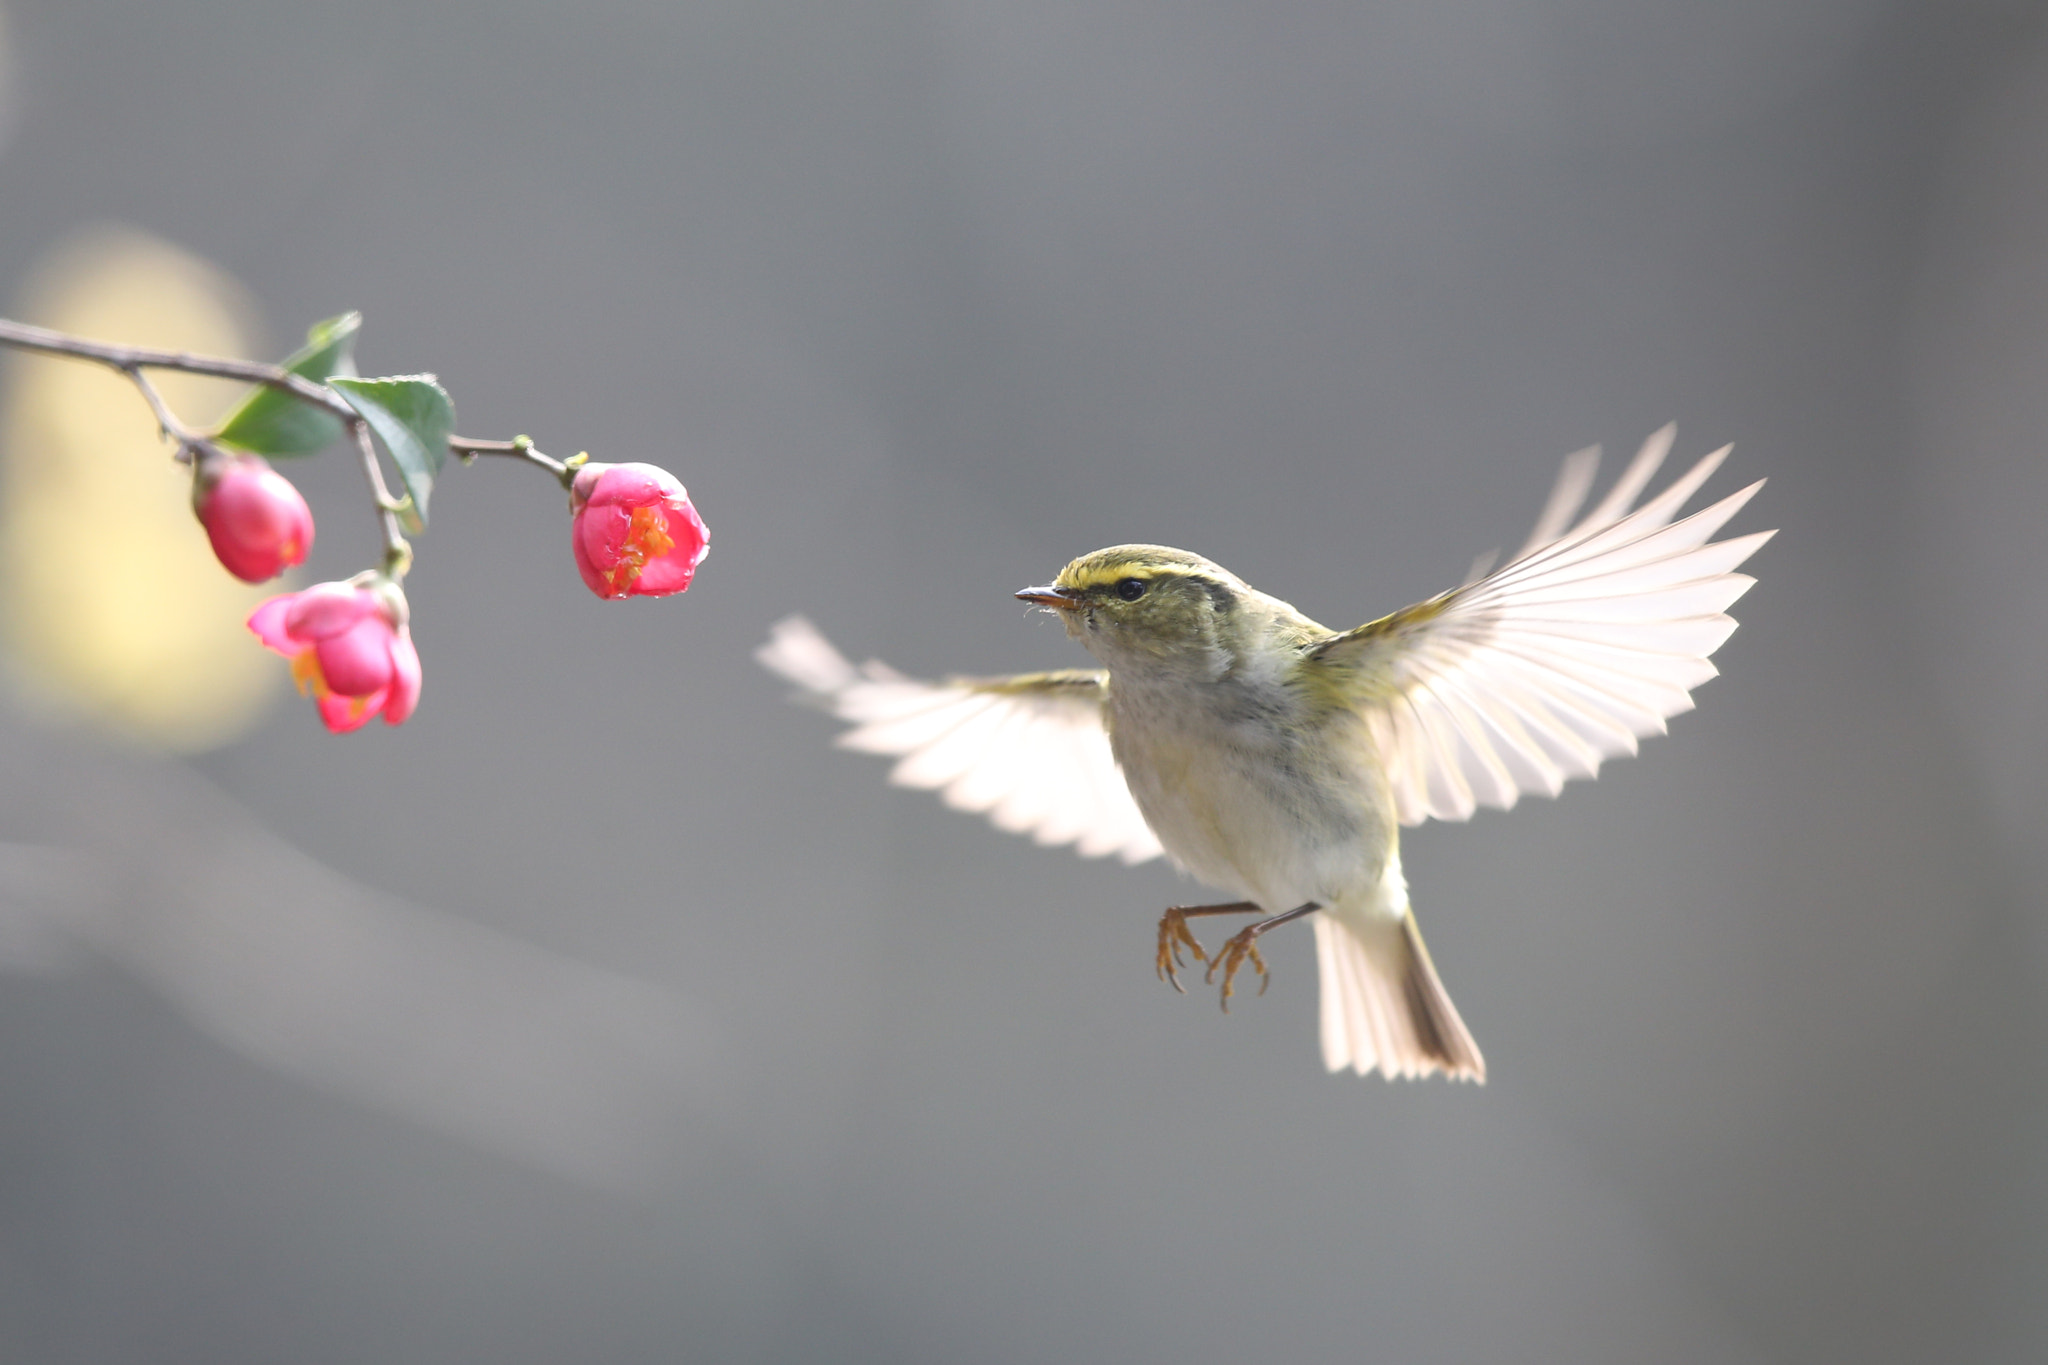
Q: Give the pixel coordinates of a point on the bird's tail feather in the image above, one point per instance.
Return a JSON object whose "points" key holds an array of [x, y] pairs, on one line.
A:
{"points": [[1383, 1006]]}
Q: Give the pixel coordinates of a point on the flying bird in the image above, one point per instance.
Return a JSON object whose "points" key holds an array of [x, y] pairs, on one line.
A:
{"points": [[1276, 759]]}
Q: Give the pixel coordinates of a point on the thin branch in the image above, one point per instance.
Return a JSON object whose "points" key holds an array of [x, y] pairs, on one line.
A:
{"points": [[132, 359], [189, 441], [397, 551], [519, 447]]}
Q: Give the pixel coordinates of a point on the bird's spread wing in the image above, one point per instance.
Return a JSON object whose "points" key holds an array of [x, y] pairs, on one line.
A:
{"points": [[1029, 751], [1534, 674]]}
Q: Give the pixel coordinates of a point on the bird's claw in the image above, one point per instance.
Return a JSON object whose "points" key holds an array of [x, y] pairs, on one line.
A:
{"points": [[1242, 947], [1173, 935]]}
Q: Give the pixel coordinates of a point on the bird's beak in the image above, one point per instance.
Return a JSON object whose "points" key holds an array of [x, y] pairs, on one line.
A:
{"points": [[1051, 596]]}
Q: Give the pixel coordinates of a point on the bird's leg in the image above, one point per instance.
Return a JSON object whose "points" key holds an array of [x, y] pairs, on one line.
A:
{"points": [[1245, 944], [1174, 932]]}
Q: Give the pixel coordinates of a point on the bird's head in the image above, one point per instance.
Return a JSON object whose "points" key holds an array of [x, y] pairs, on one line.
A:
{"points": [[1147, 602]]}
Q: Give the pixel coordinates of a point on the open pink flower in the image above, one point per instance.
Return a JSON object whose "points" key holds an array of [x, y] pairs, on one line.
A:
{"points": [[634, 532], [350, 647], [258, 523]]}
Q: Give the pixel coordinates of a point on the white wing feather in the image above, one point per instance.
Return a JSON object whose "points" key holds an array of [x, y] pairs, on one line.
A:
{"points": [[1030, 753], [1586, 642]]}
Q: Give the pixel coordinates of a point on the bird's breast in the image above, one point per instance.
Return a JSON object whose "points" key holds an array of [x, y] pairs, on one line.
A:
{"points": [[1252, 790]]}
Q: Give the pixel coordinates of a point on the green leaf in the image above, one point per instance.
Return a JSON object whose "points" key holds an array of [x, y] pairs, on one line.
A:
{"points": [[270, 422], [412, 415]]}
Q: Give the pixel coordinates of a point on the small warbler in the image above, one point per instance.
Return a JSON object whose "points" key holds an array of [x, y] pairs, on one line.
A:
{"points": [[1276, 759]]}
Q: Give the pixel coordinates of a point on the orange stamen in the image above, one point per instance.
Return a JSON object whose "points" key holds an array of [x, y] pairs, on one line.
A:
{"points": [[306, 674], [646, 538]]}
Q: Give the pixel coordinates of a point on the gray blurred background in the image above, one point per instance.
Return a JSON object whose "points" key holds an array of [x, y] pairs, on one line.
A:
{"points": [[606, 1013]]}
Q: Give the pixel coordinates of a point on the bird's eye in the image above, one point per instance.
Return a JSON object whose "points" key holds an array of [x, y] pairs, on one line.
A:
{"points": [[1130, 589]]}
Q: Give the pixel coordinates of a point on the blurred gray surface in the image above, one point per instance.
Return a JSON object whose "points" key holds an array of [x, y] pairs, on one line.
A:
{"points": [[921, 301]]}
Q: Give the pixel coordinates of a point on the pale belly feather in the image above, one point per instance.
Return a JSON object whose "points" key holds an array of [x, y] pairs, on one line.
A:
{"points": [[1244, 804]]}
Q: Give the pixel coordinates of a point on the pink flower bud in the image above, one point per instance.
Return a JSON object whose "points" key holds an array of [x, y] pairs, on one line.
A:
{"points": [[634, 532], [258, 523], [350, 647]]}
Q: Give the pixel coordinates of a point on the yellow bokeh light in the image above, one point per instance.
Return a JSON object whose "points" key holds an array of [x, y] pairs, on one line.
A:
{"points": [[115, 609]]}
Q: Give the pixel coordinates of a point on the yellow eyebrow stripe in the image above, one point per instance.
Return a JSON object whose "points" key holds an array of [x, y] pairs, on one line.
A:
{"points": [[1109, 575], [1102, 575]]}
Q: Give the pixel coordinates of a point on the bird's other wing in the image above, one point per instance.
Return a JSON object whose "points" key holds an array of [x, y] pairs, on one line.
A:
{"points": [[1029, 751], [1537, 673]]}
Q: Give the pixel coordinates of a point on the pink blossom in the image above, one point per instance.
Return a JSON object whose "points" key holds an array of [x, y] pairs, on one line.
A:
{"points": [[634, 533], [350, 648], [258, 523]]}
